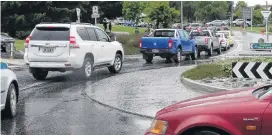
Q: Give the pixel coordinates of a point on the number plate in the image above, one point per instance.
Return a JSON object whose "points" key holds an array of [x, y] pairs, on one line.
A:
{"points": [[47, 50], [155, 50]]}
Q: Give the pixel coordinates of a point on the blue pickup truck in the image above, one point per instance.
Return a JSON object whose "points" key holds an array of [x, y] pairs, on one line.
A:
{"points": [[169, 44]]}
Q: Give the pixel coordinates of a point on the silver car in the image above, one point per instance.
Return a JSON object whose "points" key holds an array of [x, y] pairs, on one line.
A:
{"points": [[9, 91], [206, 41], [217, 23]]}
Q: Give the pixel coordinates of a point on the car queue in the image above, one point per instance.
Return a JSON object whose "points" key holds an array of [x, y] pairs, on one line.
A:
{"points": [[171, 44]]}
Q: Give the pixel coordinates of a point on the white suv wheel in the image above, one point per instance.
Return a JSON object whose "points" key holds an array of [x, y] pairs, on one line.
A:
{"points": [[88, 69], [117, 63]]}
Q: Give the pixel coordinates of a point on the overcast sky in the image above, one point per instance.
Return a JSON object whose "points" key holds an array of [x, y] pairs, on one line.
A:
{"points": [[255, 2]]}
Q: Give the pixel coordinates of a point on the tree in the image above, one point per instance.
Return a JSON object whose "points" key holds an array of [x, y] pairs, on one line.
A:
{"points": [[162, 13], [132, 10], [238, 9], [205, 10], [189, 9], [257, 16], [20, 17]]}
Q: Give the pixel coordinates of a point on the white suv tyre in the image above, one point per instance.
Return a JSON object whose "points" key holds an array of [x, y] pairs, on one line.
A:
{"points": [[85, 72], [38, 73], [117, 65]]}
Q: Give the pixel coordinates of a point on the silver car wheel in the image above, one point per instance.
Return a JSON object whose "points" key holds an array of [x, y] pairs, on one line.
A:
{"points": [[195, 52]]}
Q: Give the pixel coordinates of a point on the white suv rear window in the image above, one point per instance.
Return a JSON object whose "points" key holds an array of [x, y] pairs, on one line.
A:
{"points": [[51, 33]]}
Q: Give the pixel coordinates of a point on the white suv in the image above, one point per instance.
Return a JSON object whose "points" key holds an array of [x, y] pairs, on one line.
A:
{"points": [[76, 46]]}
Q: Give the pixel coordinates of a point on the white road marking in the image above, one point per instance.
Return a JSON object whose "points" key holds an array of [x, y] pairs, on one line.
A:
{"points": [[236, 69], [260, 70], [248, 68]]}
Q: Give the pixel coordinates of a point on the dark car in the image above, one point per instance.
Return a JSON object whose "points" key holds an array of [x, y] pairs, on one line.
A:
{"points": [[6, 42]]}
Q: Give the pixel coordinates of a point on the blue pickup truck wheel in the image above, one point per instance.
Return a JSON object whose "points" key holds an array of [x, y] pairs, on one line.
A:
{"points": [[194, 54], [149, 58], [177, 58]]}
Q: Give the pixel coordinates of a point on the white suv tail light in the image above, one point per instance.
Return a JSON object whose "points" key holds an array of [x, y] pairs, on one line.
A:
{"points": [[73, 43], [27, 41]]}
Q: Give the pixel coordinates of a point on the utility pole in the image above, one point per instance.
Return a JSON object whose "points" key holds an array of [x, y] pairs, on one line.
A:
{"points": [[267, 37], [181, 15], [231, 16]]}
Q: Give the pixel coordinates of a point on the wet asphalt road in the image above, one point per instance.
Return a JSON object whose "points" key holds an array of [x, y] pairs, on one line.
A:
{"points": [[59, 105]]}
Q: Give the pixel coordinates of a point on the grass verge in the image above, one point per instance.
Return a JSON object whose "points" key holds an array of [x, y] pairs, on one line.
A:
{"points": [[19, 44], [120, 28], [254, 29], [219, 68]]}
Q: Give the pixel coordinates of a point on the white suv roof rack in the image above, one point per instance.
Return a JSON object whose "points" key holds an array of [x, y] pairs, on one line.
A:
{"points": [[65, 23]]}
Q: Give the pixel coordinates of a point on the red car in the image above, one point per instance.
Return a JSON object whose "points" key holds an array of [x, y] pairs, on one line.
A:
{"points": [[239, 112]]}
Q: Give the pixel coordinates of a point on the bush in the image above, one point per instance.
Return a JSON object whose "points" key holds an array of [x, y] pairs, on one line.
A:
{"points": [[133, 40], [207, 71], [22, 34], [130, 43]]}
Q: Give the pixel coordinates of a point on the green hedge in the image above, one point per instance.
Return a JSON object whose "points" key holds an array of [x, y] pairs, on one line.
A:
{"points": [[22, 34], [130, 43]]}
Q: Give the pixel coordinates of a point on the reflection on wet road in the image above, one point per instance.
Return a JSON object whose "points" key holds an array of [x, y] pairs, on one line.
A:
{"points": [[59, 105]]}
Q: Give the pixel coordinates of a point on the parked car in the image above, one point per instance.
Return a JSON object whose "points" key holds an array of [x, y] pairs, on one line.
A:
{"points": [[228, 36], [207, 41], [6, 42], [9, 91], [226, 22], [236, 112], [224, 42], [168, 43], [79, 47], [241, 22], [217, 23]]}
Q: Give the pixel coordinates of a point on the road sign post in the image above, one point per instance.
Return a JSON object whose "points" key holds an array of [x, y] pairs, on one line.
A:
{"points": [[247, 14], [181, 15], [11, 50], [78, 15], [95, 14], [251, 20], [266, 16]]}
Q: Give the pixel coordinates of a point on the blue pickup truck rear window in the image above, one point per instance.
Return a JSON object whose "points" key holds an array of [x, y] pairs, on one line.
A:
{"points": [[164, 33]]}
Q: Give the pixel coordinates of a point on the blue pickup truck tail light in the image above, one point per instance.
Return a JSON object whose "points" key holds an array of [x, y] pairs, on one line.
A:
{"points": [[140, 45], [170, 43]]}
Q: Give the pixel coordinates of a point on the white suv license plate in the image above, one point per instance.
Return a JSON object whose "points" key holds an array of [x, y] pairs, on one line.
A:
{"points": [[47, 50], [155, 50]]}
